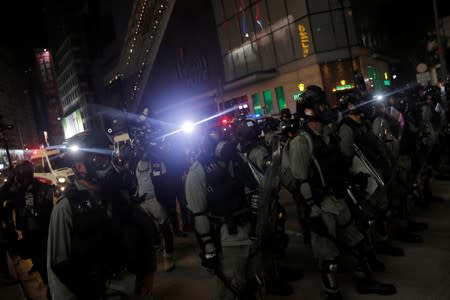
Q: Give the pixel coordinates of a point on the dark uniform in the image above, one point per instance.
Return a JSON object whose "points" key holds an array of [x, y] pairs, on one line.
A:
{"points": [[313, 159], [215, 192], [98, 243]]}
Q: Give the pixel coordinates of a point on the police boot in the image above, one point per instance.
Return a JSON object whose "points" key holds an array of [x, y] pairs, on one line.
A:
{"points": [[365, 284], [329, 280]]}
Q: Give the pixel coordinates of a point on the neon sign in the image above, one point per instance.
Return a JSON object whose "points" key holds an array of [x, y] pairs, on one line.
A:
{"points": [[304, 39]]}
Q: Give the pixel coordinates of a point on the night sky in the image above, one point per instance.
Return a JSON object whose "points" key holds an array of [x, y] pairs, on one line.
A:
{"points": [[23, 28], [24, 24]]}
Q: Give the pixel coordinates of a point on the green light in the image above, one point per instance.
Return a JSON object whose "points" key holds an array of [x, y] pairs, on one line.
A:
{"points": [[344, 87], [387, 82], [297, 96]]}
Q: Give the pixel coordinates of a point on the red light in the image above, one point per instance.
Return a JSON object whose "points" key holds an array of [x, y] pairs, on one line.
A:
{"points": [[34, 151], [224, 121]]}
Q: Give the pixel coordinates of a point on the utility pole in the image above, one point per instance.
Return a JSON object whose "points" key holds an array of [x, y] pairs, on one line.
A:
{"points": [[441, 49]]}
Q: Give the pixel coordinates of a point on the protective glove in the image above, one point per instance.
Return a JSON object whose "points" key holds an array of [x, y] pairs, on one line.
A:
{"points": [[361, 180], [210, 261]]}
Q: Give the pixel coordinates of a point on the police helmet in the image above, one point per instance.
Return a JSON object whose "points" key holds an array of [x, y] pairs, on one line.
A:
{"points": [[291, 126], [312, 104], [23, 172], [123, 156], [93, 149], [350, 104], [285, 114]]}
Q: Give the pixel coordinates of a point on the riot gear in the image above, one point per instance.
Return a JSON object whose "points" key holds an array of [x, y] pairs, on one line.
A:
{"points": [[94, 149], [285, 114], [312, 104]]}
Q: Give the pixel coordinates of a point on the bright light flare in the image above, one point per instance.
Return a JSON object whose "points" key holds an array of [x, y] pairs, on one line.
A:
{"points": [[379, 97], [188, 127], [74, 148]]}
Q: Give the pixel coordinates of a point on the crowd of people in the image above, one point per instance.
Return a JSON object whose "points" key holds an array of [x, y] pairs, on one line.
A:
{"points": [[357, 173]]}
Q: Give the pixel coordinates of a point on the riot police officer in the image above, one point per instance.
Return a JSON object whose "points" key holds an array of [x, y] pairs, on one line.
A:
{"points": [[312, 159], [268, 212], [354, 130], [97, 240], [215, 193]]}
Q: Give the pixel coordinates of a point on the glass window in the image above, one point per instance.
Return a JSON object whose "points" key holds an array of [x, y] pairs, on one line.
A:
{"points": [[223, 32], [257, 104], [259, 13], [40, 165], [301, 36], [296, 8], [283, 45], [339, 28], [277, 12], [351, 27], [240, 68], [230, 8], [334, 4], [235, 36], [251, 56], [322, 31], [317, 5], [267, 94], [279, 92], [267, 53], [218, 11], [228, 67], [247, 29]]}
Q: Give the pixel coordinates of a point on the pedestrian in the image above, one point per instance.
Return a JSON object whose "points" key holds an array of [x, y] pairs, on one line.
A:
{"points": [[153, 207], [356, 130]]}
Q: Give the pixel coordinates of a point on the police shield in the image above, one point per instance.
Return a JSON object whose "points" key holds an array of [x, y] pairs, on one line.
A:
{"points": [[266, 220], [361, 164]]}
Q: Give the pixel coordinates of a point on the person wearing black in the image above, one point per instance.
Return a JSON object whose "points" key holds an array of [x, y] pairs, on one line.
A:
{"points": [[32, 202], [99, 243]]}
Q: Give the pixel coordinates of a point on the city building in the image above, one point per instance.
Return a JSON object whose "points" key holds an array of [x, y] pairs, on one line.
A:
{"points": [[48, 88], [261, 53], [74, 87], [271, 50]]}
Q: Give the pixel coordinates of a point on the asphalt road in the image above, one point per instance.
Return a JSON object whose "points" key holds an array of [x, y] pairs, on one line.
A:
{"points": [[424, 273]]}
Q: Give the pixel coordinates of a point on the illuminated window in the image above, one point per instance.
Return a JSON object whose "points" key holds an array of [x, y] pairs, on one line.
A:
{"points": [[267, 94], [279, 92], [257, 104]]}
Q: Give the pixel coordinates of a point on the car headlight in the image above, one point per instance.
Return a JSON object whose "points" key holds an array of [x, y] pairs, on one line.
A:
{"points": [[62, 180]]}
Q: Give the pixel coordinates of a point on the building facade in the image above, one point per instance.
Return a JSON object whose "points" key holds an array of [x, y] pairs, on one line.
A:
{"points": [[74, 88], [272, 49], [48, 89]]}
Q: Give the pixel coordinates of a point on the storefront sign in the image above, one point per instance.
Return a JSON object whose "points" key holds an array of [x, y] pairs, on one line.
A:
{"points": [[344, 87], [297, 96], [304, 39]]}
